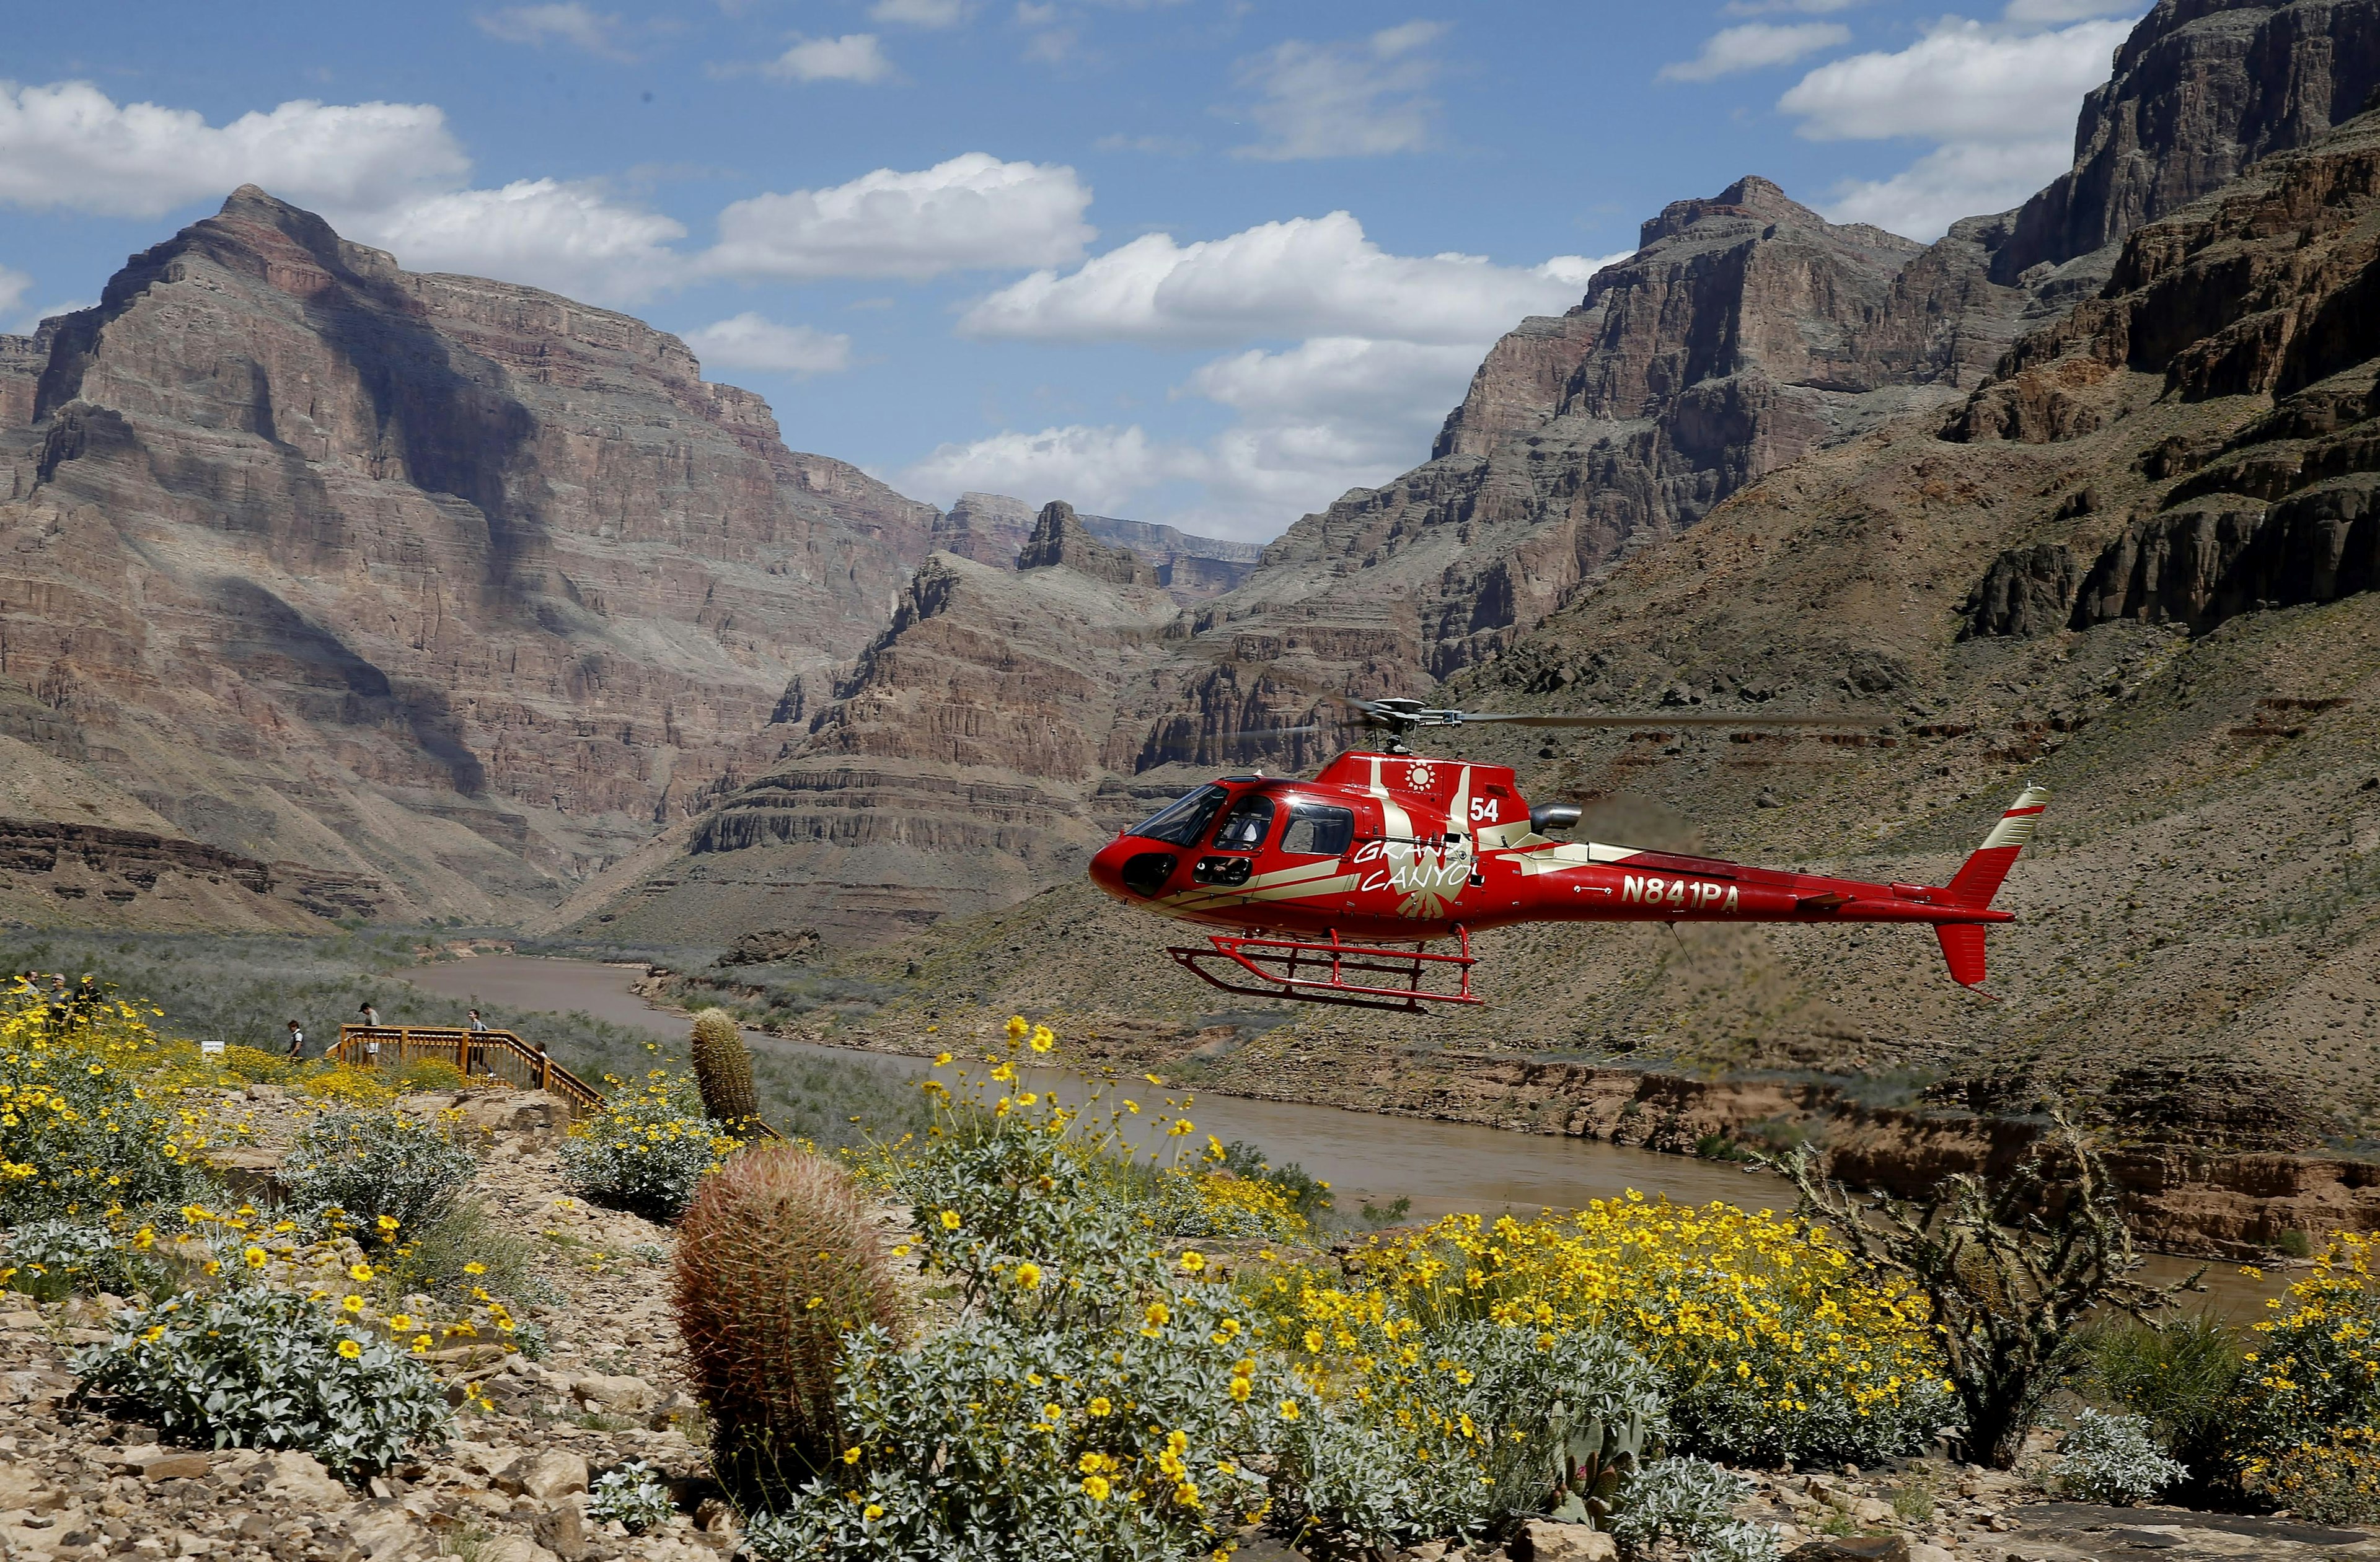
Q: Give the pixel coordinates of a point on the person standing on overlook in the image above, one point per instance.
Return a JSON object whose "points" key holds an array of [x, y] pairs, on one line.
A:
{"points": [[296, 1042], [473, 1055]]}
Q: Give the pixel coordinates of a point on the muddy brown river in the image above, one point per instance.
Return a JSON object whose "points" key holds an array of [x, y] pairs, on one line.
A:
{"points": [[1443, 1167]]}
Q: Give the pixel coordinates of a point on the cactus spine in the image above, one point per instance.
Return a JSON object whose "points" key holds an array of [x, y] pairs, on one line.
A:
{"points": [[776, 1258], [723, 1069]]}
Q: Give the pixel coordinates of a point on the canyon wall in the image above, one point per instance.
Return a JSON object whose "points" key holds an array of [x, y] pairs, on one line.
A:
{"points": [[445, 582]]}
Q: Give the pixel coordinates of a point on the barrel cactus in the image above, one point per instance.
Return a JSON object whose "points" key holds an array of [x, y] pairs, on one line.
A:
{"points": [[723, 1069], [777, 1258]]}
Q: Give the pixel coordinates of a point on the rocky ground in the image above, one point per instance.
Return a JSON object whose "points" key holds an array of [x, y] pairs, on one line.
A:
{"points": [[83, 1479]]}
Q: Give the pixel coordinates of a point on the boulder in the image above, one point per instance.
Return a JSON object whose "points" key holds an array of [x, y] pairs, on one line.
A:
{"points": [[513, 1549], [1542, 1540], [621, 1396], [302, 1479], [1853, 1548], [534, 1113], [551, 1473]]}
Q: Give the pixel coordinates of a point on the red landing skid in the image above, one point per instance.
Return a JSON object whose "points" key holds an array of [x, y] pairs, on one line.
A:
{"points": [[1320, 972]]}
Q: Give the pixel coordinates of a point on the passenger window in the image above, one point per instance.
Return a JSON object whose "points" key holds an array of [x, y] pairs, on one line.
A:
{"points": [[1318, 830], [1244, 827]]}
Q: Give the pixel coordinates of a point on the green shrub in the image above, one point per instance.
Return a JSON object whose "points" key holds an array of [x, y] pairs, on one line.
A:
{"points": [[1092, 1404], [50, 1259], [644, 1152], [253, 1368], [2185, 1375], [1692, 1502], [1454, 1431], [374, 1168], [2113, 1458], [433, 1258], [1307, 1196], [778, 1259], [633, 1496], [255, 1067], [2334, 1482], [85, 1122], [1099, 1398], [2310, 1426]]}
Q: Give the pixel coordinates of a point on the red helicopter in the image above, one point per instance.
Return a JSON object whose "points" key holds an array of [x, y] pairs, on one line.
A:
{"points": [[1399, 847]]}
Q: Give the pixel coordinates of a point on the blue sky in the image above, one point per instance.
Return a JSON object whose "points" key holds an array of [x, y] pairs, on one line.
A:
{"points": [[1209, 261]]}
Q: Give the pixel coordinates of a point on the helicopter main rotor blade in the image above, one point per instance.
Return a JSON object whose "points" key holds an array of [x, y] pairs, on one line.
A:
{"points": [[1236, 735], [1697, 719]]}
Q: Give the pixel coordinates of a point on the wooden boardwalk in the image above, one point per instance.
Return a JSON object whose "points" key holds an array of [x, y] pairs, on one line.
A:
{"points": [[476, 1054], [501, 1054]]}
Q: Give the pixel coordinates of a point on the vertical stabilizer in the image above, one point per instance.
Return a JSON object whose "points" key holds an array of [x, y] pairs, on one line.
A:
{"points": [[1980, 877]]}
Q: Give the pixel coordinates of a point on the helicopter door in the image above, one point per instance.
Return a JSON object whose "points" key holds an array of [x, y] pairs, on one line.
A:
{"points": [[1244, 829]]}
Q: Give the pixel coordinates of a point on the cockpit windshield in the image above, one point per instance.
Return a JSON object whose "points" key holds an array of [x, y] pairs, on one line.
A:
{"points": [[1183, 820]]}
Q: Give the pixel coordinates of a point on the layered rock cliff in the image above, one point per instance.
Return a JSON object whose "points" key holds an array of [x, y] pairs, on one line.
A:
{"points": [[2262, 299], [951, 772], [2201, 89], [450, 582]]}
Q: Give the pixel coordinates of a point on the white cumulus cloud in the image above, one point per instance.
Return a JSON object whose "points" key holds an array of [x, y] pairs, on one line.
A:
{"points": [[1382, 346], [751, 341], [1345, 377], [571, 23], [1303, 277], [14, 285], [1756, 46], [1998, 102], [569, 238], [1962, 80], [1966, 179], [68, 145], [1099, 469], [856, 56], [1361, 99], [971, 211]]}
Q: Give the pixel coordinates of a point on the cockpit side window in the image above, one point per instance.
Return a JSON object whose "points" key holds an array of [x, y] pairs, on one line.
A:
{"points": [[1319, 830], [1246, 826], [1185, 819]]}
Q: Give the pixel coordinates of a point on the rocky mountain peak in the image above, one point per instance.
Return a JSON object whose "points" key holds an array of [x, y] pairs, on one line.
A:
{"points": [[1061, 538], [1750, 196], [255, 206], [2201, 89]]}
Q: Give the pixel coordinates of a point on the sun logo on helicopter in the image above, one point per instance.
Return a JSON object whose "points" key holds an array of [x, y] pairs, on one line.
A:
{"points": [[1418, 777]]}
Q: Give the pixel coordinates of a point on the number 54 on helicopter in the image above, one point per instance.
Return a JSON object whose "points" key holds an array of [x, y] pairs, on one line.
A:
{"points": [[1317, 881]]}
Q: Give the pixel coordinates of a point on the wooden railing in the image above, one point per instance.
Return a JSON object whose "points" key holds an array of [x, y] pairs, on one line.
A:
{"points": [[478, 1054]]}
